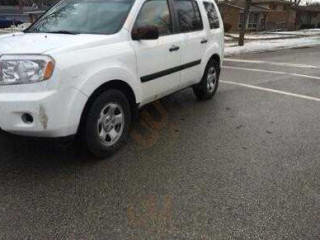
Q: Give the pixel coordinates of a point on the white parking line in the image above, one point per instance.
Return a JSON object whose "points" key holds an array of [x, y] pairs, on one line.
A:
{"points": [[273, 72], [272, 90], [272, 63]]}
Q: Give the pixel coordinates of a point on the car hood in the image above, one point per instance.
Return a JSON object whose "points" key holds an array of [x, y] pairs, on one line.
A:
{"points": [[36, 43]]}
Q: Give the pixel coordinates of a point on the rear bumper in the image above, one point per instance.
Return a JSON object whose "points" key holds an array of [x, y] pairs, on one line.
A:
{"points": [[54, 113]]}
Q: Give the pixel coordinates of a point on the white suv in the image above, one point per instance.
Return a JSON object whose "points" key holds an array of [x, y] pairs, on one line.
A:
{"points": [[87, 66]]}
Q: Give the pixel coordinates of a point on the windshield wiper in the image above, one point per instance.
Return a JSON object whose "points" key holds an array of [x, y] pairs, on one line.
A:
{"points": [[64, 32]]}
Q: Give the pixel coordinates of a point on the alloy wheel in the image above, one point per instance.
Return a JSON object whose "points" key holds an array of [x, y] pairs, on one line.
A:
{"points": [[111, 124]]}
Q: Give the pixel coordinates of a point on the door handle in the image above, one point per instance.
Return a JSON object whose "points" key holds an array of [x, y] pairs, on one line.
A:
{"points": [[203, 41], [174, 48]]}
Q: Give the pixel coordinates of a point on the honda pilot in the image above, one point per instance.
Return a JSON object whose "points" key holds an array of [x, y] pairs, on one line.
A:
{"points": [[86, 67]]}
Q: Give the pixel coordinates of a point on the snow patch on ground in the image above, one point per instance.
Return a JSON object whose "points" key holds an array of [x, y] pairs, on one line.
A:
{"points": [[271, 45], [276, 35], [4, 31], [305, 32], [256, 36], [226, 38], [12, 29]]}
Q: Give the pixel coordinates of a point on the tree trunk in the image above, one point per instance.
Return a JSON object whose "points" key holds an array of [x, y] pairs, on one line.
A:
{"points": [[244, 22]]}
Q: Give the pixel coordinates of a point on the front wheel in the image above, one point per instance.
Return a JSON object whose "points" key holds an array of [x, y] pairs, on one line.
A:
{"points": [[107, 123], [208, 86]]}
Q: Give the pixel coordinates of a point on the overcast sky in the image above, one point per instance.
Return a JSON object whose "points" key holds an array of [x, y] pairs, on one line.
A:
{"points": [[311, 1]]}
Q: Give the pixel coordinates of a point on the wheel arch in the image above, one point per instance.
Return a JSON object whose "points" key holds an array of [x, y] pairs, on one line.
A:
{"points": [[214, 56], [113, 84], [217, 58], [213, 52]]}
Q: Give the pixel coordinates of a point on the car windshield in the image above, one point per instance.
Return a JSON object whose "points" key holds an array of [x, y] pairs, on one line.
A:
{"points": [[84, 16]]}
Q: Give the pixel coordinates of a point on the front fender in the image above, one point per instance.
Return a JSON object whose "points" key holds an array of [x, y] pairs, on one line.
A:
{"points": [[94, 79]]}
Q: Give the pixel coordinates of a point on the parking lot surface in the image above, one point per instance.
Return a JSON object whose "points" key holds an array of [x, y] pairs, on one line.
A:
{"points": [[244, 165]]}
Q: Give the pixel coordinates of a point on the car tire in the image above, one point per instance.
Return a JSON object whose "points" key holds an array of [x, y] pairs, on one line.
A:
{"points": [[208, 86], [107, 123]]}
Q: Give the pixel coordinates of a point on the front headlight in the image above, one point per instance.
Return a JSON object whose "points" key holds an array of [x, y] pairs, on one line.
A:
{"points": [[20, 69]]}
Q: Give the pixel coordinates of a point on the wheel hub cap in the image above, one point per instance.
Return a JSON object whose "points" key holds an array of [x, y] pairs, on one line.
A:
{"points": [[211, 79], [110, 124]]}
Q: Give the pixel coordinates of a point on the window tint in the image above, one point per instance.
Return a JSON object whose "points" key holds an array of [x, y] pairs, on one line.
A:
{"points": [[212, 15], [155, 12], [188, 15]]}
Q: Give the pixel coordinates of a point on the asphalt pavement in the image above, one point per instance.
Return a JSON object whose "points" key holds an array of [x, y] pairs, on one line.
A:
{"points": [[244, 165]]}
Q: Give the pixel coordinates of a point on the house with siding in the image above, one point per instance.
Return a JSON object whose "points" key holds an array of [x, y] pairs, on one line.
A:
{"points": [[264, 15], [232, 14], [14, 9], [281, 15], [13, 12], [308, 16]]}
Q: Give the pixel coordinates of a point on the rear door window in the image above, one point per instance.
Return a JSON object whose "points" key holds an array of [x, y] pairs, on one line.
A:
{"points": [[212, 15], [188, 14]]}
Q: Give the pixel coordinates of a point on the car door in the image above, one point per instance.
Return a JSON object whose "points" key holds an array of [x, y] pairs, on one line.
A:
{"points": [[157, 60], [194, 40]]}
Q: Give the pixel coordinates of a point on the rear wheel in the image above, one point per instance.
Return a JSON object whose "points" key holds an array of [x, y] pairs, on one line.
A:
{"points": [[208, 86], [106, 127]]}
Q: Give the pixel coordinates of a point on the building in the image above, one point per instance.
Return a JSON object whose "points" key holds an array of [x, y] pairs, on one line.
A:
{"points": [[308, 16], [21, 10], [281, 15], [232, 14], [264, 15], [14, 12]]}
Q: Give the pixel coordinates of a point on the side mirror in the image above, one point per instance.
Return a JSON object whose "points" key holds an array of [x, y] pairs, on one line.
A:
{"points": [[145, 33]]}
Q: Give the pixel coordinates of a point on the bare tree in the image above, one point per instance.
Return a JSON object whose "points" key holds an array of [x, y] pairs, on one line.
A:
{"points": [[296, 3], [244, 22]]}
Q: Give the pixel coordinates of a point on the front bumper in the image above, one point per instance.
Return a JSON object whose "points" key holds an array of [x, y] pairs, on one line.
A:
{"points": [[55, 113]]}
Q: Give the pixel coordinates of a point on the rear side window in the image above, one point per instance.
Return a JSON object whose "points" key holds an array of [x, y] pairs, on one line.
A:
{"points": [[155, 12], [212, 15], [188, 13]]}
